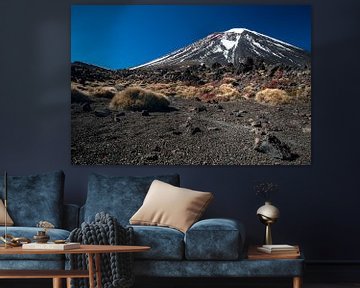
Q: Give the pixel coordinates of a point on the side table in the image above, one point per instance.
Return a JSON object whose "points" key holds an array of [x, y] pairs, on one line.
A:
{"points": [[289, 259], [92, 251]]}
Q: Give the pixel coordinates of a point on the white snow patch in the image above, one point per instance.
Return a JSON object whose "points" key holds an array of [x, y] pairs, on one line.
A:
{"points": [[276, 55], [282, 46], [226, 53], [228, 44], [274, 39], [151, 62], [241, 30], [236, 30], [217, 49], [257, 44]]}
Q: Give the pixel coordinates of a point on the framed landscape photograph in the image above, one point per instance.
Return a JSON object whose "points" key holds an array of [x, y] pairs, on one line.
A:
{"points": [[191, 85]]}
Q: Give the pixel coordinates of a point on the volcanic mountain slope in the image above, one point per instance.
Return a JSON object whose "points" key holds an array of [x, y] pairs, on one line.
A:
{"points": [[234, 46]]}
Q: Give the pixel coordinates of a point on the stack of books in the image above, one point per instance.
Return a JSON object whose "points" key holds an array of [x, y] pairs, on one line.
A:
{"points": [[273, 252], [279, 249]]}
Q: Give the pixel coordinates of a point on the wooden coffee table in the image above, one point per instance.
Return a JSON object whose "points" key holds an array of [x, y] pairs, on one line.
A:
{"points": [[92, 251]]}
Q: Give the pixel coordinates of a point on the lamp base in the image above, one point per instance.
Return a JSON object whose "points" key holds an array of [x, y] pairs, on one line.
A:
{"points": [[268, 237]]}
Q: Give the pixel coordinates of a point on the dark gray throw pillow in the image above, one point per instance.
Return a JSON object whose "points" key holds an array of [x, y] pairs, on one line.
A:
{"points": [[35, 198], [120, 196]]}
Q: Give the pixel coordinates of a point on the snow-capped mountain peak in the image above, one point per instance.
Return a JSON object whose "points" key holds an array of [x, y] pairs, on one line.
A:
{"points": [[236, 30], [234, 46]]}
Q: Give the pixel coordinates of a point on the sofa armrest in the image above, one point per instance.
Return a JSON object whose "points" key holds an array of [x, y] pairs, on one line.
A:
{"points": [[71, 216], [215, 239]]}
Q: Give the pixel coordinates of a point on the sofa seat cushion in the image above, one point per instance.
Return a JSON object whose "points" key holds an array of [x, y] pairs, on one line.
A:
{"points": [[119, 196], [29, 232], [214, 239], [35, 198], [166, 243]]}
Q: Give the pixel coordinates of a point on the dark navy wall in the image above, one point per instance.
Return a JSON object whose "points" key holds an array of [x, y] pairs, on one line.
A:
{"points": [[319, 203]]}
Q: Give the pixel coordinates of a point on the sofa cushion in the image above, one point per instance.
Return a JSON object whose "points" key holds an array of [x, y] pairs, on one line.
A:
{"points": [[29, 232], [165, 243], [35, 198], [119, 196], [9, 221], [170, 206], [214, 239]]}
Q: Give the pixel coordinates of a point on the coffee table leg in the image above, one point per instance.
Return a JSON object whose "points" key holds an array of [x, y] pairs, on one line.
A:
{"points": [[297, 282], [68, 282], [57, 283], [98, 270], [91, 270]]}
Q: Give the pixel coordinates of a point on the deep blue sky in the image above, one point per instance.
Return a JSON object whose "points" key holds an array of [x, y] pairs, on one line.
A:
{"points": [[123, 36]]}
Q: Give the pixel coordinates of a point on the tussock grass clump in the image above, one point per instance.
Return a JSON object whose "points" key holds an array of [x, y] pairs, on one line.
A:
{"points": [[186, 91], [104, 92], [272, 96], [227, 92], [248, 92], [207, 92], [78, 96], [137, 99], [163, 88]]}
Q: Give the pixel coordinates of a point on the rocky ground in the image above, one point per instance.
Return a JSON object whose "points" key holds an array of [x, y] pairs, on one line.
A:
{"points": [[195, 130]]}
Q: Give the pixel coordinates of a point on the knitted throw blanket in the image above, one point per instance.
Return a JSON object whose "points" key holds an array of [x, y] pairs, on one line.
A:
{"points": [[116, 268]]}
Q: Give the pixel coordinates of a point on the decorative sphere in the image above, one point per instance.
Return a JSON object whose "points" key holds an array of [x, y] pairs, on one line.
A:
{"points": [[268, 213]]}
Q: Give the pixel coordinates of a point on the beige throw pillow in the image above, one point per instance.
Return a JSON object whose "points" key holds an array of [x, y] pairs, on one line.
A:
{"points": [[9, 221], [170, 206]]}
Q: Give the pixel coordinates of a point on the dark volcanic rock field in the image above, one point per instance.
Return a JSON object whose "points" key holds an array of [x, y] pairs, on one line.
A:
{"points": [[192, 133], [218, 115]]}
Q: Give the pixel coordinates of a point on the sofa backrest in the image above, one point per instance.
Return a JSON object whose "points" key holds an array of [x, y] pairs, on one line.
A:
{"points": [[35, 198], [119, 196]]}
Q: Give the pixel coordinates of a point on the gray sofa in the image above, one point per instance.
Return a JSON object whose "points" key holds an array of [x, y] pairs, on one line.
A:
{"points": [[210, 248], [32, 199]]}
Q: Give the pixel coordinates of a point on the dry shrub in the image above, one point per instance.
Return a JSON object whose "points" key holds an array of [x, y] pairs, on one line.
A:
{"points": [[227, 92], [301, 93], [208, 92], [202, 92], [104, 92], [78, 96], [159, 86], [164, 88], [137, 99], [228, 80], [272, 96], [248, 92], [186, 91]]}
